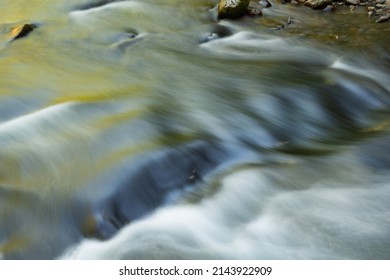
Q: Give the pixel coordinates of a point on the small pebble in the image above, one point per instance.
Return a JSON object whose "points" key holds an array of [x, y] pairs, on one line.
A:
{"points": [[194, 176], [290, 21], [279, 27], [294, 2], [370, 8], [370, 13], [255, 12], [380, 1], [211, 37]]}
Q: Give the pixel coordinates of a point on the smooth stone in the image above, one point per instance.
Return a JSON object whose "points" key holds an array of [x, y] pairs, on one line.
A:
{"points": [[318, 4], [353, 2]]}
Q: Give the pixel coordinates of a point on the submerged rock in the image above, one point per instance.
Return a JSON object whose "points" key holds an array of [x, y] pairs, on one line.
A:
{"points": [[160, 179], [232, 8], [383, 18], [318, 4], [21, 31], [328, 8]]}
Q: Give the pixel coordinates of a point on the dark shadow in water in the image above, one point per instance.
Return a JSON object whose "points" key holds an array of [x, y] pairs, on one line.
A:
{"points": [[376, 154], [155, 182]]}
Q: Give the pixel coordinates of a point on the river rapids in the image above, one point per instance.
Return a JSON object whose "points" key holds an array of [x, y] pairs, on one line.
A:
{"points": [[151, 130]]}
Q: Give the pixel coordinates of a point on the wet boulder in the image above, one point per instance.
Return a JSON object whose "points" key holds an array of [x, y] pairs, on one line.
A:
{"points": [[232, 8], [383, 18], [21, 31], [318, 4]]}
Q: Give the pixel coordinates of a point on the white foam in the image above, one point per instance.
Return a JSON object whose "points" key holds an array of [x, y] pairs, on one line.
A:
{"points": [[252, 218], [252, 46], [369, 71]]}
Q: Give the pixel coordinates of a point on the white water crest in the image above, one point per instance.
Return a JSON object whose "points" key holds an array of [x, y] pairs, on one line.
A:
{"points": [[254, 217]]}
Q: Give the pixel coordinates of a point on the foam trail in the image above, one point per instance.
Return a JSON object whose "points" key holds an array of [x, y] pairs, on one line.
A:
{"points": [[252, 217]]}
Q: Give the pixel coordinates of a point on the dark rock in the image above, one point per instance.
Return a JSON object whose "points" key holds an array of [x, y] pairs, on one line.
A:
{"points": [[21, 31], [318, 4], [195, 176], [384, 18], [232, 8]]}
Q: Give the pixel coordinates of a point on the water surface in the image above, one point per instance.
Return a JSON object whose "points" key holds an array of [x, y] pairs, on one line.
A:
{"points": [[149, 129]]}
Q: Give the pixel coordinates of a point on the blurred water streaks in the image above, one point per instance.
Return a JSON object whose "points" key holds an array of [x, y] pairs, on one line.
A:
{"points": [[162, 133]]}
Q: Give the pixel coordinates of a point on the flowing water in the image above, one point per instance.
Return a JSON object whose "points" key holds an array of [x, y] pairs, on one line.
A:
{"points": [[151, 130]]}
